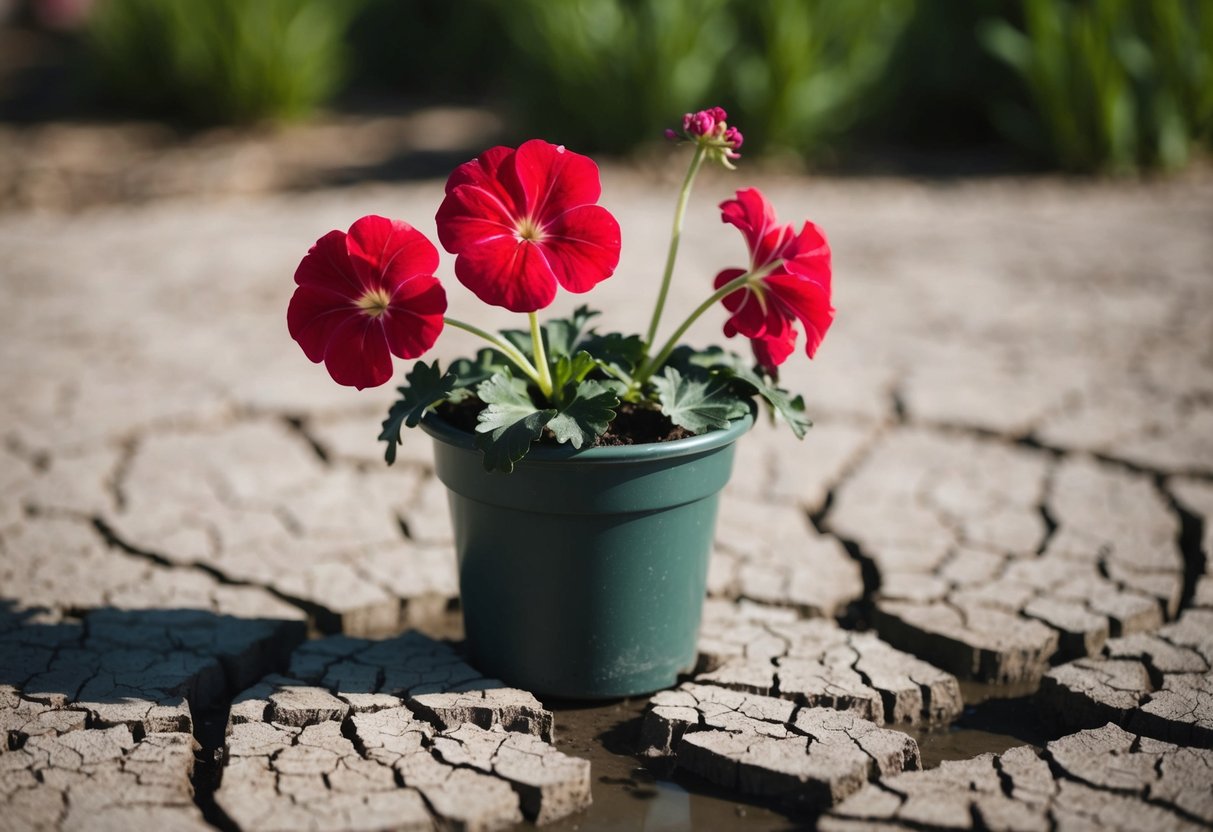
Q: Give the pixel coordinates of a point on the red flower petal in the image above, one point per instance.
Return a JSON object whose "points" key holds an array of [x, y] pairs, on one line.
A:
{"points": [[808, 300], [582, 247], [312, 317], [811, 242], [752, 214], [471, 214], [386, 252], [483, 172], [505, 271], [413, 321], [554, 179], [733, 299], [778, 243], [358, 355], [771, 352], [748, 318], [327, 265]]}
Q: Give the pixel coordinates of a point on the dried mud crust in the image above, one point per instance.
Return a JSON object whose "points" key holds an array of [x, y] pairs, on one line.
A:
{"points": [[992, 577], [146, 670], [770, 748], [632, 425], [96, 718], [100, 779], [1157, 684], [816, 663], [398, 734], [1105, 778]]}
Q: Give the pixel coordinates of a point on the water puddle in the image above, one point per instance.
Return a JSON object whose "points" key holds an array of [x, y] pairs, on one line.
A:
{"points": [[634, 794]]}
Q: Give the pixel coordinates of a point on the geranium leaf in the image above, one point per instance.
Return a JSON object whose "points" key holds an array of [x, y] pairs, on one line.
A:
{"points": [[472, 372], [790, 407], [560, 335], [616, 386], [501, 391], [571, 371], [521, 339], [729, 365], [698, 404], [590, 409], [563, 334], [426, 387], [615, 351], [509, 423]]}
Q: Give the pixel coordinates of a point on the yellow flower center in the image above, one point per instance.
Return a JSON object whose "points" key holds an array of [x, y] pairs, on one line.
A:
{"points": [[529, 230], [374, 302]]}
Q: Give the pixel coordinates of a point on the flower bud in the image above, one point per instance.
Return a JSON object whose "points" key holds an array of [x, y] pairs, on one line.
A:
{"points": [[699, 124], [707, 128]]}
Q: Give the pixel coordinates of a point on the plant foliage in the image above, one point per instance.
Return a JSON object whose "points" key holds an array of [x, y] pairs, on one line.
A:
{"points": [[1112, 85], [221, 61], [696, 390]]}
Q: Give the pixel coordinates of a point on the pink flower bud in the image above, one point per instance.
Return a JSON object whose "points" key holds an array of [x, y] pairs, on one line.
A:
{"points": [[707, 128], [702, 124]]}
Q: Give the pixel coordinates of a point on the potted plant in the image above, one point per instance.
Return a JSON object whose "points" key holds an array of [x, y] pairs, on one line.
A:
{"points": [[583, 467]]}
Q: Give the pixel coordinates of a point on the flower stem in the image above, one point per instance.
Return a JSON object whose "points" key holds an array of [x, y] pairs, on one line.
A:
{"points": [[654, 364], [503, 346], [675, 237], [545, 374]]}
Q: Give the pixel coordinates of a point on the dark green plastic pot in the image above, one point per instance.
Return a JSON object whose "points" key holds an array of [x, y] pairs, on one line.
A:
{"points": [[583, 573]]}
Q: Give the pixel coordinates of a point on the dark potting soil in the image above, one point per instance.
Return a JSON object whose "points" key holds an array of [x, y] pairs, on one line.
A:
{"points": [[634, 424], [637, 425]]}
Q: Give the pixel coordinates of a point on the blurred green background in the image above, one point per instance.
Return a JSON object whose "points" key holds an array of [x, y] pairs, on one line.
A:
{"points": [[1108, 86]]}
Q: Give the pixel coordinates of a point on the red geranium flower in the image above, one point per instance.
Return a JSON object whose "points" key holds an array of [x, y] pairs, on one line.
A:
{"points": [[791, 281], [522, 221], [365, 296]]}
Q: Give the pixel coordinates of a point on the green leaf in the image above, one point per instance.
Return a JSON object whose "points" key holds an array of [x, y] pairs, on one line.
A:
{"points": [[521, 339], [709, 358], [697, 404], [571, 371], [1007, 43], [510, 422], [590, 410], [562, 335], [729, 365], [472, 372], [615, 351], [426, 387], [616, 386], [790, 407]]}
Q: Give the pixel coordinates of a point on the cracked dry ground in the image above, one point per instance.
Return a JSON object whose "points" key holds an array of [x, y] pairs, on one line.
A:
{"points": [[220, 609]]}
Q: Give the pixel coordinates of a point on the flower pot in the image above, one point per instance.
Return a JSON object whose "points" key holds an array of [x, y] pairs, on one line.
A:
{"points": [[583, 573]]}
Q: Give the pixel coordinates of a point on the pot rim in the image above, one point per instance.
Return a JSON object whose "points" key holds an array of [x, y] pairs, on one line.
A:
{"points": [[443, 431]]}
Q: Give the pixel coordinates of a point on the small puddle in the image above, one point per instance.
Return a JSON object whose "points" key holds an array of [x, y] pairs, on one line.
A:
{"points": [[995, 718], [634, 794]]}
